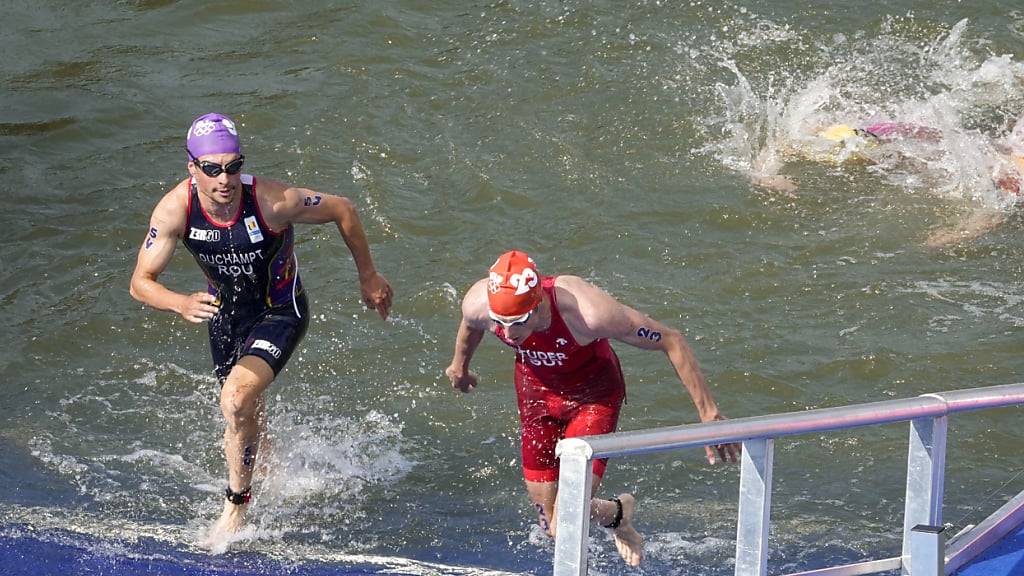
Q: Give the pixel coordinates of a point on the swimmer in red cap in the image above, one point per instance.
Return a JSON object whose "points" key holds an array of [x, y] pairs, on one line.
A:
{"points": [[240, 232], [567, 377]]}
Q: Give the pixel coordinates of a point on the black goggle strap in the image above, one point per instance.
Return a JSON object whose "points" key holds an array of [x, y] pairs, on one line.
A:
{"points": [[864, 133]]}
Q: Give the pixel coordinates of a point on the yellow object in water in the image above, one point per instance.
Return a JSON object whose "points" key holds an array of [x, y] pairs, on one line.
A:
{"points": [[1018, 161], [839, 144], [838, 132]]}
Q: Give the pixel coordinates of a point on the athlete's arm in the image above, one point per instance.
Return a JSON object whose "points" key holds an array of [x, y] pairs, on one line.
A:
{"points": [[598, 315], [291, 205], [166, 226], [472, 329]]}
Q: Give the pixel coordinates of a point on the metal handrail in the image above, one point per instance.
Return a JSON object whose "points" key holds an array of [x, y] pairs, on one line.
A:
{"points": [[925, 469]]}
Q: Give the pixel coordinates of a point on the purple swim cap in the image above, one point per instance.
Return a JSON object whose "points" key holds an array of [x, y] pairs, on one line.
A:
{"points": [[212, 133]]}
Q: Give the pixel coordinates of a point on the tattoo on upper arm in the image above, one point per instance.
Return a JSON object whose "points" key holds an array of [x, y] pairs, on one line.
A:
{"points": [[648, 334], [312, 200], [150, 237]]}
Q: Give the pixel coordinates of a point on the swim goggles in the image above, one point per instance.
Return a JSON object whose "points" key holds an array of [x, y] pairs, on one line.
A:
{"points": [[212, 169], [510, 322]]}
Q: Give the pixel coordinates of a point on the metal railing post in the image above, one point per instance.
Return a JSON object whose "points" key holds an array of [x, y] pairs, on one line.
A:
{"points": [[573, 522], [754, 516], [927, 550], [926, 471]]}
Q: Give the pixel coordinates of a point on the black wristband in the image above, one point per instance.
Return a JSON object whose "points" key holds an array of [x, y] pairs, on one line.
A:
{"points": [[618, 514], [238, 498]]}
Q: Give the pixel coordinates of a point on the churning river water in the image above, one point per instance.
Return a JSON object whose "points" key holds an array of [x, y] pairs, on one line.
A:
{"points": [[611, 140]]}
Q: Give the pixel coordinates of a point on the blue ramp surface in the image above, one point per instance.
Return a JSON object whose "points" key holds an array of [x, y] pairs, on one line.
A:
{"points": [[25, 551], [1005, 558]]}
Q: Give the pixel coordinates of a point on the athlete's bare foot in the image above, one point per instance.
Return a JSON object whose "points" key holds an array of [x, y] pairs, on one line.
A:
{"points": [[628, 541], [230, 522]]}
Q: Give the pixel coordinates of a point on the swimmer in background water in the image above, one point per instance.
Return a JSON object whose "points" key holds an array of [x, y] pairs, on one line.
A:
{"points": [[836, 144], [841, 143], [1007, 172]]}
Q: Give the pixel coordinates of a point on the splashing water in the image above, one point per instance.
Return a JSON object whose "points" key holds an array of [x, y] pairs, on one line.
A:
{"points": [[889, 76], [328, 459], [316, 474], [320, 465]]}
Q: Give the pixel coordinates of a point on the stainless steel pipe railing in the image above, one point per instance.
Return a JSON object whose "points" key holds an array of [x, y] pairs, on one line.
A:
{"points": [[925, 468]]}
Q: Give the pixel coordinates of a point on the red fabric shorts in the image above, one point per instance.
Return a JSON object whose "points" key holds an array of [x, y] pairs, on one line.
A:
{"points": [[549, 415]]}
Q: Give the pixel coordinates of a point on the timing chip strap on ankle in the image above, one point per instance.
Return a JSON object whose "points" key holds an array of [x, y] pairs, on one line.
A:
{"points": [[618, 514], [243, 497]]}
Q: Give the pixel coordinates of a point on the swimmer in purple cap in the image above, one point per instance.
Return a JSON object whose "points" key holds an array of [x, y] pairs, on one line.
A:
{"points": [[212, 134], [240, 232]]}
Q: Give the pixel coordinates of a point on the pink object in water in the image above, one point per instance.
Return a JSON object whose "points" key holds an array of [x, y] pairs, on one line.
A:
{"points": [[903, 130]]}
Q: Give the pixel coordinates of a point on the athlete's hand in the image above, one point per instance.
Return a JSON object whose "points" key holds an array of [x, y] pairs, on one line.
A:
{"points": [[464, 381], [723, 452], [377, 294], [198, 307], [776, 183]]}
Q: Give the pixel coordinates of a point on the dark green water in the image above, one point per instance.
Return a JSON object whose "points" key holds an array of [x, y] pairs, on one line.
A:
{"points": [[605, 138]]}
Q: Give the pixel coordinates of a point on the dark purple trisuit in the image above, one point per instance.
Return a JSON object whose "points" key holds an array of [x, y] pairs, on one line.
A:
{"points": [[254, 273]]}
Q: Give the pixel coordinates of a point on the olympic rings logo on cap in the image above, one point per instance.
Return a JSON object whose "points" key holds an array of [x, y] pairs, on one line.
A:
{"points": [[494, 282], [204, 127]]}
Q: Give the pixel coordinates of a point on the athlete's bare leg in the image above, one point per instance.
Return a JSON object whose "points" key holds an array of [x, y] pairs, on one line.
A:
{"points": [[542, 495], [264, 444], [628, 541], [239, 402], [977, 224]]}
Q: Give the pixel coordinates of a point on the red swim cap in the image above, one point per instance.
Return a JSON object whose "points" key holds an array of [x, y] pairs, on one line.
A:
{"points": [[513, 286]]}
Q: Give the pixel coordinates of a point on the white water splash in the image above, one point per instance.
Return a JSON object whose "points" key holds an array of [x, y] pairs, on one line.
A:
{"points": [[321, 468], [971, 98], [976, 299]]}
